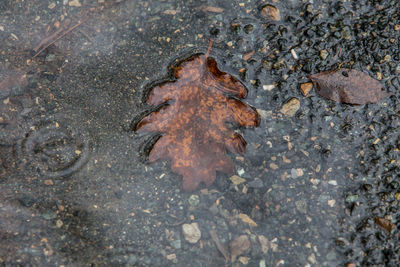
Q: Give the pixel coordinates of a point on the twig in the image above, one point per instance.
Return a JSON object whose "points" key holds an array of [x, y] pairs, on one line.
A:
{"points": [[210, 43], [47, 39], [59, 37]]}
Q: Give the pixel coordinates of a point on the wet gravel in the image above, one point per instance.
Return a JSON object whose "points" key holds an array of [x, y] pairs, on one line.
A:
{"points": [[318, 185]]}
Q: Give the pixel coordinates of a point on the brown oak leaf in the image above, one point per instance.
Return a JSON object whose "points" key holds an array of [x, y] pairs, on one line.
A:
{"points": [[193, 120], [348, 86]]}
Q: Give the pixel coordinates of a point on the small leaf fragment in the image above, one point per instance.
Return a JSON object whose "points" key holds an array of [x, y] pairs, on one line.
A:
{"points": [[245, 218], [236, 180], [348, 86], [238, 246]]}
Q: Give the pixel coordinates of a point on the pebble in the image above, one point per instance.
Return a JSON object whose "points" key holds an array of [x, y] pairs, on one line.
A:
{"points": [[49, 215], [75, 3], [171, 256], [346, 33], [14, 36], [268, 87], [50, 57], [25, 112], [301, 206], [191, 232], [323, 54], [331, 255], [194, 200], [48, 182], [256, 183], [305, 88], [312, 259], [273, 166], [294, 54], [290, 108], [332, 182], [59, 223], [176, 244], [296, 173], [331, 203], [271, 12], [240, 171], [352, 198]]}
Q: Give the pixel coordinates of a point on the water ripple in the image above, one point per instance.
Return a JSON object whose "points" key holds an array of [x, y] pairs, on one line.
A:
{"points": [[54, 146]]}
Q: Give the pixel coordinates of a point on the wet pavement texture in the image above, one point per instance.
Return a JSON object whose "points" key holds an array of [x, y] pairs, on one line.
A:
{"points": [[318, 185]]}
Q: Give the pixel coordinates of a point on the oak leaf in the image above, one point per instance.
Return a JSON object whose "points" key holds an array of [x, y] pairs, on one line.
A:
{"points": [[348, 86], [194, 118]]}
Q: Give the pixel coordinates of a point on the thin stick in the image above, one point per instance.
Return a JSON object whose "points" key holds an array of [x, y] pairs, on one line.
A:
{"points": [[47, 39], [59, 37], [209, 48]]}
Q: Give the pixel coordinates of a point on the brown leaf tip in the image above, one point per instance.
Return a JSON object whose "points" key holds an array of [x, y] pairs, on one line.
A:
{"points": [[194, 124]]}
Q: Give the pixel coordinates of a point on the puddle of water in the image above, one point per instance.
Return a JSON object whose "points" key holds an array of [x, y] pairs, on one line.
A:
{"points": [[316, 187]]}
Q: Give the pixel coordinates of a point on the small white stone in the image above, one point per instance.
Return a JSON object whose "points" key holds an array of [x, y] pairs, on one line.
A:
{"points": [[290, 108], [14, 36], [332, 182], [191, 232], [294, 55], [268, 87], [331, 203], [312, 259], [314, 181], [75, 3], [240, 172], [171, 256], [59, 223]]}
